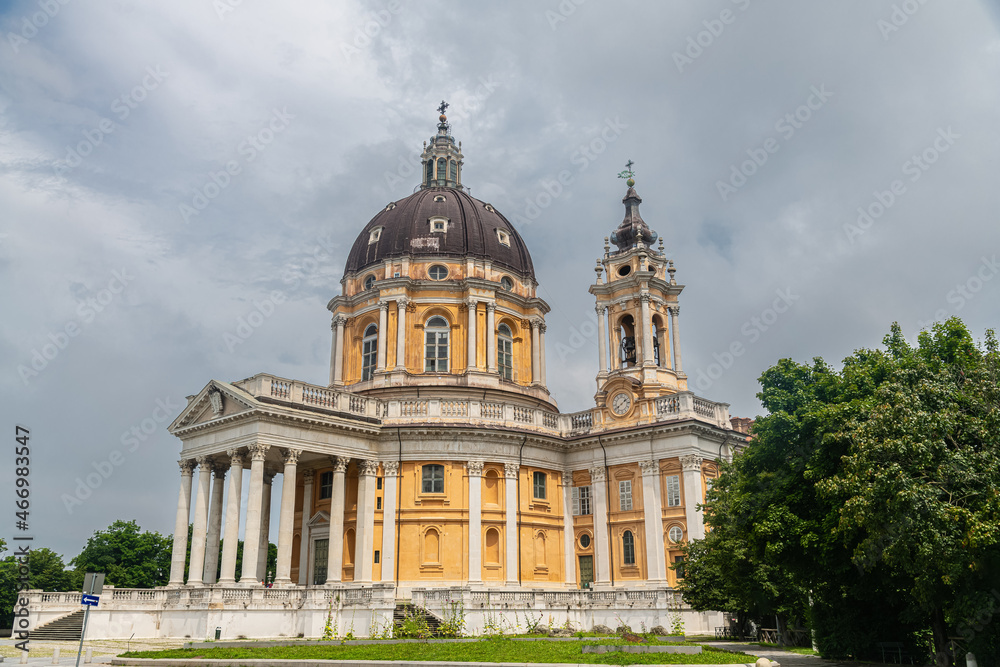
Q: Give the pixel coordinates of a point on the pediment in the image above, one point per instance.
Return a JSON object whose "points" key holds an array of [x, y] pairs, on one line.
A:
{"points": [[319, 518], [216, 400]]}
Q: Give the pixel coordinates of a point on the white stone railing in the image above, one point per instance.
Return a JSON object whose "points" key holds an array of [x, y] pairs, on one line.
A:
{"points": [[680, 406], [435, 598]]}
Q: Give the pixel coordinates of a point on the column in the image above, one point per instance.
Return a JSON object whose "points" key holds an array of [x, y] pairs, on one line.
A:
{"points": [[663, 333], [692, 496], [510, 488], [198, 533], [214, 523], [602, 342], [335, 554], [255, 497], [304, 544], [602, 549], [333, 350], [491, 337], [536, 359], [656, 562], [364, 545], [383, 322], [232, 536], [647, 331], [286, 519], [471, 341], [401, 333], [475, 469], [265, 526], [390, 473], [674, 312], [179, 555], [569, 537], [338, 353], [541, 348]]}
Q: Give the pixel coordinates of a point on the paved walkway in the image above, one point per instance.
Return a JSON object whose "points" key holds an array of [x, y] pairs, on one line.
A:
{"points": [[103, 650], [781, 656]]}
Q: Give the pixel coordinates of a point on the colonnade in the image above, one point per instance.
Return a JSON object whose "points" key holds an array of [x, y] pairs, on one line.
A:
{"points": [[669, 343]]}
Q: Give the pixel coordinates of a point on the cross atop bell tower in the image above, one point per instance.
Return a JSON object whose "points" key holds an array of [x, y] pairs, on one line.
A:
{"points": [[637, 312], [442, 159]]}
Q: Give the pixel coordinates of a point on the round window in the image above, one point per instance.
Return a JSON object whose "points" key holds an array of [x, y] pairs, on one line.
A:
{"points": [[438, 272], [624, 270], [675, 534], [506, 283], [585, 541], [369, 282]]}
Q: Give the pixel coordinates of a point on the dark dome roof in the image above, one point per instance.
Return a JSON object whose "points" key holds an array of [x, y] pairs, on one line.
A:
{"points": [[471, 231]]}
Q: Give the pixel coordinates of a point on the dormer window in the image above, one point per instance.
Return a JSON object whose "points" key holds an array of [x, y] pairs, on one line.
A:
{"points": [[438, 197], [375, 235], [391, 205], [439, 224], [503, 237], [489, 207]]}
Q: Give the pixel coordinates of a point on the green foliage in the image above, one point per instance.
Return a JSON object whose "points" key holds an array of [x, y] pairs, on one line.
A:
{"points": [[128, 557], [414, 625], [874, 489], [453, 623]]}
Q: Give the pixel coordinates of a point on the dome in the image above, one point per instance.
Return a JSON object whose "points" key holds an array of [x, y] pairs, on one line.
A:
{"points": [[440, 222]]}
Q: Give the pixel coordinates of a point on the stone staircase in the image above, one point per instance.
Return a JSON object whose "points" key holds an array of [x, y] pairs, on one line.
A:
{"points": [[404, 608], [64, 628]]}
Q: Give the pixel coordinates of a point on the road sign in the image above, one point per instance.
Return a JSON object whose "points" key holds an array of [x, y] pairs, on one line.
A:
{"points": [[93, 583], [90, 600]]}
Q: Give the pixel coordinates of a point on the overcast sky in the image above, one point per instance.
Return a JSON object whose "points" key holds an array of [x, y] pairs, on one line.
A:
{"points": [[758, 131]]}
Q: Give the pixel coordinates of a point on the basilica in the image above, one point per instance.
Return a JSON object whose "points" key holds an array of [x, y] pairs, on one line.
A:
{"points": [[435, 466]]}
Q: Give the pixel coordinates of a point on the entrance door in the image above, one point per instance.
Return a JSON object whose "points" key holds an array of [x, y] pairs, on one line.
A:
{"points": [[321, 549], [586, 571]]}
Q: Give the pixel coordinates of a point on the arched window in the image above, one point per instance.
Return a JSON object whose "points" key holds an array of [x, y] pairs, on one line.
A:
{"points": [[628, 548], [627, 352], [505, 352], [369, 352], [436, 345], [491, 488]]}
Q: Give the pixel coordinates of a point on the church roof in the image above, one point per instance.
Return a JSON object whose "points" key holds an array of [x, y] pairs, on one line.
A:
{"points": [[470, 231]]}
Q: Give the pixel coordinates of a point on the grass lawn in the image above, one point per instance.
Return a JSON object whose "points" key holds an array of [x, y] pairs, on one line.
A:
{"points": [[487, 650]]}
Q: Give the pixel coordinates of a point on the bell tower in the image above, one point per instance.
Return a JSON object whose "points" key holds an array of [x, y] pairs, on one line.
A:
{"points": [[637, 313]]}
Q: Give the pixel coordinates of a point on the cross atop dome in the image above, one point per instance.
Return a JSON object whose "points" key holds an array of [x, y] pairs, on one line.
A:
{"points": [[442, 158]]}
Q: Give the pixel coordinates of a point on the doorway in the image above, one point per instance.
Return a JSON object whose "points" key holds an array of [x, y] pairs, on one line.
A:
{"points": [[321, 550], [586, 571]]}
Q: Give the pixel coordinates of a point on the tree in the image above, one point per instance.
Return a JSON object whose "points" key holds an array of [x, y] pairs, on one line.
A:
{"points": [[129, 558]]}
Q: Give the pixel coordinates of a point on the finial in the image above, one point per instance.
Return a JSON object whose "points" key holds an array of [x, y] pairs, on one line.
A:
{"points": [[661, 245], [607, 246], [599, 270], [671, 270], [441, 109], [628, 174]]}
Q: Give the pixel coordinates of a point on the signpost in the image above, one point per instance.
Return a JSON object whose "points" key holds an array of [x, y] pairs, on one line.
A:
{"points": [[93, 584]]}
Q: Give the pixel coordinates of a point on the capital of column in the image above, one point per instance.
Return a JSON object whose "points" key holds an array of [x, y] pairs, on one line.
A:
{"points": [[219, 469], [475, 468], [204, 461], [644, 297], [258, 452], [491, 306], [390, 468], [471, 302], [597, 474], [291, 455], [402, 302], [187, 466], [691, 462], [536, 322], [674, 310], [542, 327], [340, 463], [308, 476], [649, 467], [383, 305], [601, 311], [567, 479], [368, 468], [338, 321], [510, 470], [236, 456]]}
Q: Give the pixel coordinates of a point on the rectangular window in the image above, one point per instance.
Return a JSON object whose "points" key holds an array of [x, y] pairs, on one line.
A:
{"points": [[436, 352], [326, 485], [625, 495], [433, 479], [378, 483], [628, 548], [581, 500], [505, 358], [539, 484], [378, 503], [377, 556], [369, 357], [673, 491], [679, 566]]}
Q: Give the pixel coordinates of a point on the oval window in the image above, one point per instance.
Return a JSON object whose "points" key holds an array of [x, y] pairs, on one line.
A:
{"points": [[624, 270], [506, 283], [369, 282], [585, 541], [676, 534], [438, 272]]}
